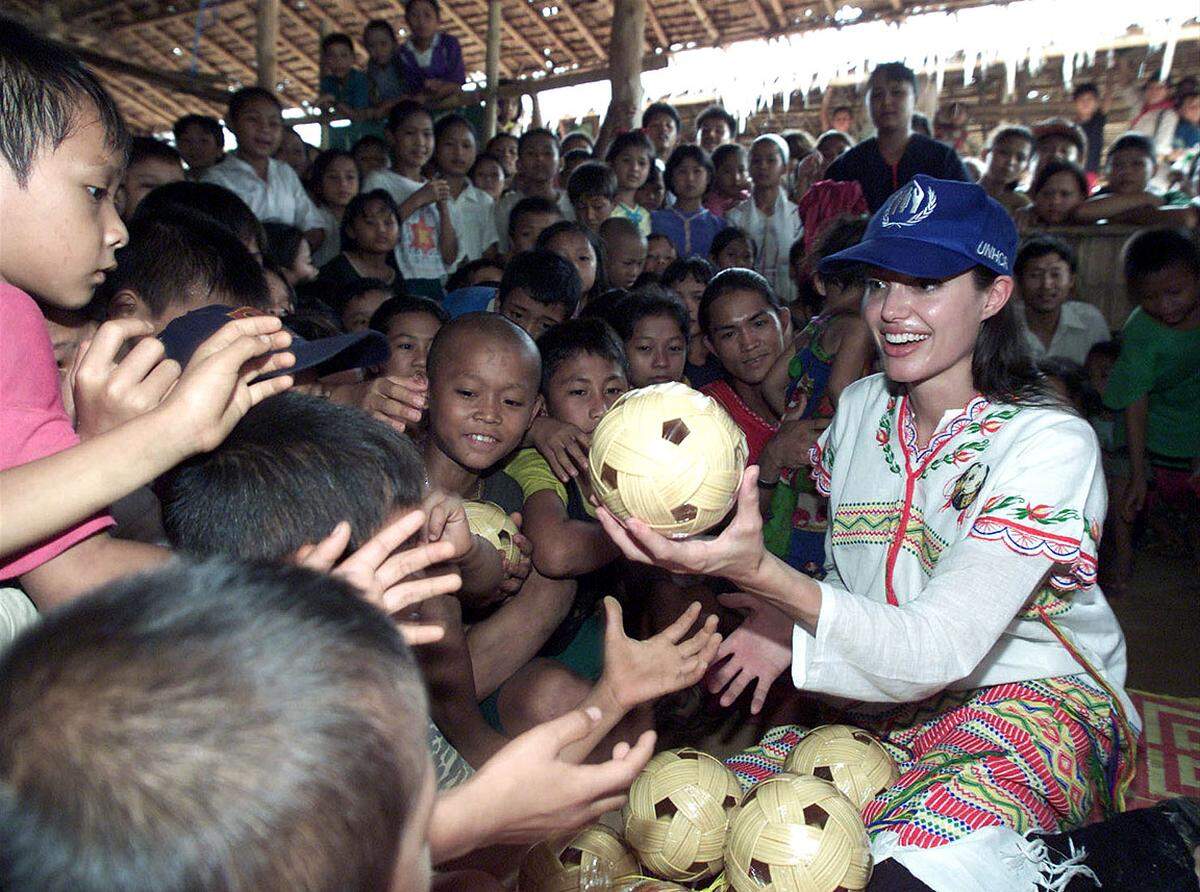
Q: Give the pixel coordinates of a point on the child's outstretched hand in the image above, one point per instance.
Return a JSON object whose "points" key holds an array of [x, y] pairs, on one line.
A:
{"points": [[562, 445], [637, 672], [398, 401], [446, 521], [218, 387], [516, 572], [392, 580], [759, 651]]}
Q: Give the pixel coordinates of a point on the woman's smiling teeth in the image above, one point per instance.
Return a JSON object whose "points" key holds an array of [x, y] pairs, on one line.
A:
{"points": [[906, 337]]}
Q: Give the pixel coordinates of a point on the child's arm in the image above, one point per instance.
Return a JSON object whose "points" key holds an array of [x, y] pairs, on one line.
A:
{"points": [[562, 547], [1158, 216], [775, 385], [1108, 207], [479, 563], [447, 237], [398, 401], [851, 355], [1135, 432], [51, 494]]}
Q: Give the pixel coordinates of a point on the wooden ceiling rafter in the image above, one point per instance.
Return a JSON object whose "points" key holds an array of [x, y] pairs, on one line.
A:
{"points": [[760, 14], [706, 20], [471, 32], [247, 47], [235, 68], [588, 37], [568, 54], [133, 97], [655, 24], [780, 15]]}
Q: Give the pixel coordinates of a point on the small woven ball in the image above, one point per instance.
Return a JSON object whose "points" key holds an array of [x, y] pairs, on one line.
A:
{"points": [[594, 858], [489, 520], [670, 456], [649, 886], [850, 758], [678, 813], [797, 833]]}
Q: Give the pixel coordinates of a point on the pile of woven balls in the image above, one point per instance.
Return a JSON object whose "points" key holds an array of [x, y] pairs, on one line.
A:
{"points": [[687, 822]]}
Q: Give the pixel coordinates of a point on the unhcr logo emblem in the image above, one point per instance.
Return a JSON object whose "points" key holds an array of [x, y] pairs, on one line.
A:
{"points": [[909, 206]]}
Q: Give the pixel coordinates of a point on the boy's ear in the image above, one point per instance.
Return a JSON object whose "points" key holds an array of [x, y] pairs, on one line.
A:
{"points": [[126, 304], [819, 284]]}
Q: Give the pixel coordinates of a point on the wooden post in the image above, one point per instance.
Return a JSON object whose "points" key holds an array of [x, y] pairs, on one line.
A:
{"points": [[492, 69], [625, 58], [323, 32], [266, 36]]}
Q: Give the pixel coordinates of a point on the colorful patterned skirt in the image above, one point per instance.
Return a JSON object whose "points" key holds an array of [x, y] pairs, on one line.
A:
{"points": [[1045, 755]]}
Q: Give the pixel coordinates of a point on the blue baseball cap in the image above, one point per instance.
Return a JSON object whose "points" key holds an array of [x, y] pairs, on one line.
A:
{"points": [[934, 229], [357, 350]]}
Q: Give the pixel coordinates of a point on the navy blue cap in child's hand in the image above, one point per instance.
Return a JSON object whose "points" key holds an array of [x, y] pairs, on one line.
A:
{"points": [[934, 229], [357, 350]]}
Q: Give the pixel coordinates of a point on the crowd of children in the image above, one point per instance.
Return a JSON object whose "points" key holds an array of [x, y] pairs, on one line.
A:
{"points": [[289, 616]]}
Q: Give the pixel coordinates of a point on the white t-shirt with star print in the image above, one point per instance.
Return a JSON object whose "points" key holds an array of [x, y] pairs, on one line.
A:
{"points": [[418, 255]]}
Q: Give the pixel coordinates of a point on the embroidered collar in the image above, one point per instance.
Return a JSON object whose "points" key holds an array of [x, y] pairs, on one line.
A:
{"points": [[946, 432]]}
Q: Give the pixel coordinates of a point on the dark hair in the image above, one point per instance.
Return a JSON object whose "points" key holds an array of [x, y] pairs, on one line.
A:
{"points": [[500, 136], [1062, 127], [357, 207], [554, 230], [144, 148], [717, 111], [842, 232], [563, 342], [841, 108], [271, 268], [437, 9], [171, 257], [215, 202], [289, 472], [207, 123], [1038, 246], [243, 97], [580, 134], [830, 135], [454, 119], [730, 280], [687, 152], [534, 204], [657, 109], [800, 142], [43, 90], [920, 124], [721, 153], [531, 134], [1084, 89], [335, 38], [727, 236], [576, 156], [381, 319], [321, 166], [186, 728], [1002, 367], [1012, 131], [649, 302], [283, 243], [403, 110], [632, 139], [370, 139], [1072, 376], [894, 71], [479, 159], [698, 268], [461, 277], [379, 25], [544, 276], [356, 289], [1055, 166], [1152, 250], [1136, 142]]}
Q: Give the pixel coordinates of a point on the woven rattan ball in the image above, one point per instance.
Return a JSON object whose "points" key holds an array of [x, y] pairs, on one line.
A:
{"points": [[594, 858], [678, 812], [670, 456], [797, 833], [848, 757], [648, 886], [489, 520]]}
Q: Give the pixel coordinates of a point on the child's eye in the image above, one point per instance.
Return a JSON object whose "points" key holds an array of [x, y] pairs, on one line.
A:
{"points": [[643, 348], [466, 393], [615, 390], [517, 404], [577, 392]]}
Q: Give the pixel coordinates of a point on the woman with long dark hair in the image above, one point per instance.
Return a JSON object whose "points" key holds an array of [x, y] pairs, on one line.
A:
{"points": [[959, 610]]}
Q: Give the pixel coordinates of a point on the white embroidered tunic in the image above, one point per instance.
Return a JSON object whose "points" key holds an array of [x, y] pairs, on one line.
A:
{"points": [[959, 565]]}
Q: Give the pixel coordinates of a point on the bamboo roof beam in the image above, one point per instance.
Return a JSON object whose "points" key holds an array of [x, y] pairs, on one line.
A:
{"points": [[830, 8], [760, 14], [780, 15], [706, 21], [584, 30], [463, 28], [550, 33], [655, 25]]}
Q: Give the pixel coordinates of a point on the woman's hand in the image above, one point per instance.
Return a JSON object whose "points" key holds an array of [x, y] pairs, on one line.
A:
{"points": [[736, 554]]}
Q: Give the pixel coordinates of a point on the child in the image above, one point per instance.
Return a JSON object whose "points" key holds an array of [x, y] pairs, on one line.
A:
{"points": [[428, 243], [732, 248], [687, 223], [592, 191], [688, 279], [731, 179], [288, 250], [715, 127], [371, 153], [539, 290], [1008, 157], [1055, 325], [200, 141], [831, 352], [55, 537], [573, 243], [487, 175], [660, 253], [578, 140], [1131, 167], [359, 301], [536, 171], [151, 163], [661, 123], [410, 324], [505, 148], [652, 194], [1156, 380], [270, 187], [624, 251], [771, 221], [471, 209], [1116, 548], [631, 156], [383, 71], [571, 159], [831, 145], [653, 327], [528, 219], [1058, 138], [485, 271], [1059, 188], [295, 153], [281, 296], [335, 180], [369, 235], [345, 90], [431, 60]]}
